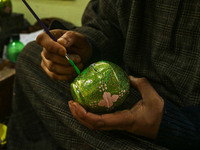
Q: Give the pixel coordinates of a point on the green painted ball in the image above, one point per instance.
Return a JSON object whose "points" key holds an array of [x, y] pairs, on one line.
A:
{"points": [[101, 87]]}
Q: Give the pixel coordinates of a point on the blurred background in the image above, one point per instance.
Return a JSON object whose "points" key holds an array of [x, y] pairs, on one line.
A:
{"points": [[70, 10]]}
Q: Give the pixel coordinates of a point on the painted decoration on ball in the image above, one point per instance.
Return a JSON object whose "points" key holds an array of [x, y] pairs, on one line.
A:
{"points": [[101, 87]]}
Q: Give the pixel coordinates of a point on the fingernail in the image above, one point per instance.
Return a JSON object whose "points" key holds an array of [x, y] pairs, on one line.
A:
{"points": [[63, 41], [130, 77], [61, 52], [72, 106]]}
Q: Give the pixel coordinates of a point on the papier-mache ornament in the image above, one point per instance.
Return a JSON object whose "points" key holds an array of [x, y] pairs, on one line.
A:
{"points": [[101, 87]]}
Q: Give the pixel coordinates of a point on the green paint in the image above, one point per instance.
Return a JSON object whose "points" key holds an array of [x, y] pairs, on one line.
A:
{"points": [[76, 68]]}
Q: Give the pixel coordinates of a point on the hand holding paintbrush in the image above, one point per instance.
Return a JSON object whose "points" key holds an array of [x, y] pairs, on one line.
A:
{"points": [[50, 35]]}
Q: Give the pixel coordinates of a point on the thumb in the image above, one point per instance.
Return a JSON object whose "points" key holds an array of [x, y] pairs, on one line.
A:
{"points": [[63, 41], [70, 38], [144, 87]]}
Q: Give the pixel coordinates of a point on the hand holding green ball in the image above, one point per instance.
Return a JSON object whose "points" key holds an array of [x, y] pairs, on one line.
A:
{"points": [[101, 87]]}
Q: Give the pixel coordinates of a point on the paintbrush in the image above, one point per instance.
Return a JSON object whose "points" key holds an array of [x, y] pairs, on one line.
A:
{"points": [[49, 33]]}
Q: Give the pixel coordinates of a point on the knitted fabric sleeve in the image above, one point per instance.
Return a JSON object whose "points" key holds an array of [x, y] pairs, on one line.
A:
{"points": [[180, 127], [100, 24]]}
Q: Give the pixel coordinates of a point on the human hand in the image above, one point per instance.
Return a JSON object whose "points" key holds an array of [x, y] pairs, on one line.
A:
{"points": [[142, 119], [54, 62]]}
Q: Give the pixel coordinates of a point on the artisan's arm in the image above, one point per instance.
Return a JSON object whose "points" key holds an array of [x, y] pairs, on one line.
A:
{"points": [[180, 127]]}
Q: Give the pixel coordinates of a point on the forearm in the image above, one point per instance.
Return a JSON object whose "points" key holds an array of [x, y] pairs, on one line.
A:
{"points": [[180, 127]]}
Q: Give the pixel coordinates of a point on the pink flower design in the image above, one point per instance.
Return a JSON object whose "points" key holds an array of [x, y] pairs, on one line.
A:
{"points": [[108, 100]]}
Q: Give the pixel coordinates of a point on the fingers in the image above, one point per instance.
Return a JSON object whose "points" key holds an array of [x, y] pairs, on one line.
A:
{"points": [[76, 43], [60, 59], [54, 58], [57, 67], [122, 120], [143, 86], [45, 41], [55, 76], [142, 119], [149, 95], [71, 38], [54, 62]]}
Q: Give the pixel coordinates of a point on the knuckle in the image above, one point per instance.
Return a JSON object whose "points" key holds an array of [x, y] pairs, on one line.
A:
{"points": [[42, 65], [48, 72], [141, 81], [51, 47], [47, 55], [74, 35], [42, 56], [54, 76], [82, 116], [51, 67], [69, 33]]}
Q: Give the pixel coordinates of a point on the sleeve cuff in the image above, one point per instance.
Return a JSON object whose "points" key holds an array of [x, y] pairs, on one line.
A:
{"points": [[176, 130], [61, 24]]}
